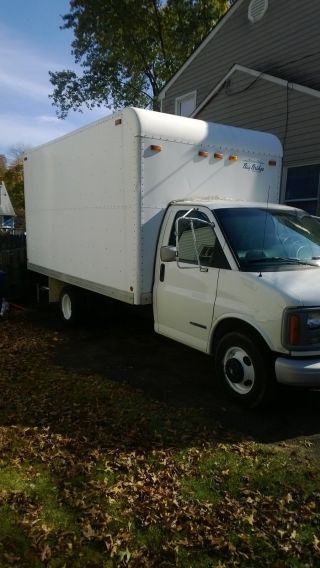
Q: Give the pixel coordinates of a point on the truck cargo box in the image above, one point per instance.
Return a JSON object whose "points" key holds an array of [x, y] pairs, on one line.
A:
{"points": [[95, 198]]}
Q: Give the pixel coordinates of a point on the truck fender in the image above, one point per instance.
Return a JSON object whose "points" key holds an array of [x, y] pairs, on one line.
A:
{"points": [[233, 322]]}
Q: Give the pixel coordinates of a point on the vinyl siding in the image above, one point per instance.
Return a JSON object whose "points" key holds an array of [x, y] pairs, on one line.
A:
{"points": [[285, 43], [293, 116]]}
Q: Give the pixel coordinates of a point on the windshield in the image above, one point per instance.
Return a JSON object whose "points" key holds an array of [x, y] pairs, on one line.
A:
{"points": [[266, 237]]}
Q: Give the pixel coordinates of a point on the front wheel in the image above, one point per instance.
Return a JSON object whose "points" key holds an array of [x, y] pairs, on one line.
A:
{"points": [[244, 370]]}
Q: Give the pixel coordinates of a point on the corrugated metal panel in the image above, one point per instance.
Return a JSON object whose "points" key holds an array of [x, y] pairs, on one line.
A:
{"points": [[288, 32]]}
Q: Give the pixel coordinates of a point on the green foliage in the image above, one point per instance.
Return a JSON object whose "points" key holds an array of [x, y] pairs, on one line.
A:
{"points": [[128, 50], [3, 166]]}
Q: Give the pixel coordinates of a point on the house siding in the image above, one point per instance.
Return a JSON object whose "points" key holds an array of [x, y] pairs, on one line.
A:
{"points": [[285, 43], [260, 104]]}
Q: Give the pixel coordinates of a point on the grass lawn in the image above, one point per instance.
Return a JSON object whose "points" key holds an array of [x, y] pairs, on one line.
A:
{"points": [[95, 473]]}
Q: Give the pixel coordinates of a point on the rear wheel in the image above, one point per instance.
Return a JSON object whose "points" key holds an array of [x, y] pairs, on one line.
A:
{"points": [[244, 370], [70, 305]]}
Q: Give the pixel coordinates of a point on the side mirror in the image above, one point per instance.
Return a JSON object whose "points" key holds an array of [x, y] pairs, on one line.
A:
{"points": [[168, 254]]}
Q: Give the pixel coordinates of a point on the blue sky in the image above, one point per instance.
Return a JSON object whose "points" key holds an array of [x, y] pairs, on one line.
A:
{"points": [[31, 44]]}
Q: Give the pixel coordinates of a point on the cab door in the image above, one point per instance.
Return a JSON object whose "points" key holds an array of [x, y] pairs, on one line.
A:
{"points": [[185, 289]]}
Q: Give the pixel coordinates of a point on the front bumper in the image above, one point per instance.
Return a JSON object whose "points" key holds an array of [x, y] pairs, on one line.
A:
{"points": [[298, 372]]}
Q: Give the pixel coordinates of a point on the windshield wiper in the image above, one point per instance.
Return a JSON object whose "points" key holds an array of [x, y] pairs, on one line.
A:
{"points": [[284, 260]]}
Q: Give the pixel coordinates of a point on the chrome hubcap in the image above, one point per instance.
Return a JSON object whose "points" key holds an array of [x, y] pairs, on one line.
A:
{"points": [[239, 370]]}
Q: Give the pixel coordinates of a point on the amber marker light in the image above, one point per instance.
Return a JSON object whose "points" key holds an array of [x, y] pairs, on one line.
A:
{"points": [[294, 329], [233, 158], [218, 156], [203, 153], [272, 163], [155, 148]]}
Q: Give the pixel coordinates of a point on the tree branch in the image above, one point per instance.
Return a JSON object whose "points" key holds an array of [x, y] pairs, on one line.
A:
{"points": [[158, 19]]}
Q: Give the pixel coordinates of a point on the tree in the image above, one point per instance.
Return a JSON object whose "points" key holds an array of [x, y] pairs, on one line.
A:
{"points": [[129, 49], [3, 166]]}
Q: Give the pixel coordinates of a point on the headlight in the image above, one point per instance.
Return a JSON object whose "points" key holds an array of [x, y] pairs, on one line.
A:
{"points": [[313, 320], [301, 329]]}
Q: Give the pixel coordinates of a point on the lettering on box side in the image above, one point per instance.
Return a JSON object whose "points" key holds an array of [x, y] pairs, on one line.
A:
{"points": [[256, 166]]}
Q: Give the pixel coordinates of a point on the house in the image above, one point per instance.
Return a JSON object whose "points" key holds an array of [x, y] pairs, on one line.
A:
{"points": [[259, 68], [7, 213]]}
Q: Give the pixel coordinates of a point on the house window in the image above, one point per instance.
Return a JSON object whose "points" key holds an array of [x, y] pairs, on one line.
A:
{"points": [[186, 104], [302, 188]]}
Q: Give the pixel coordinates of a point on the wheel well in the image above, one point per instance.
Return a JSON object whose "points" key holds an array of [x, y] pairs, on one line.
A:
{"points": [[68, 289], [234, 324]]}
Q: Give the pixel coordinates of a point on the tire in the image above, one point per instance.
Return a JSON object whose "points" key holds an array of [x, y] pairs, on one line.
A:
{"points": [[244, 370], [70, 306]]}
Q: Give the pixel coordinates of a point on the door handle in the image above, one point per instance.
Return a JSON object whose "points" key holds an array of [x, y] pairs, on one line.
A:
{"points": [[162, 272]]}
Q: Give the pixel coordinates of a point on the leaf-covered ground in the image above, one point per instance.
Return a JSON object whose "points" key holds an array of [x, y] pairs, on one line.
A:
{"points": [[95, 472]]}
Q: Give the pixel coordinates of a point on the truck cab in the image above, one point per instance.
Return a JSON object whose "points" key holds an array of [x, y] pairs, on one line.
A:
{"points": [[240, 281]]}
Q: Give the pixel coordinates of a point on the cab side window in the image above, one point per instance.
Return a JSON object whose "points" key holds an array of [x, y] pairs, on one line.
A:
{"points": [[202, 242]]}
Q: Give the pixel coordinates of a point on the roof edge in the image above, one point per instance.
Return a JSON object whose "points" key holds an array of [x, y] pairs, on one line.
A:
{"points": [[6, 208], [256, 75], [200, 47]]}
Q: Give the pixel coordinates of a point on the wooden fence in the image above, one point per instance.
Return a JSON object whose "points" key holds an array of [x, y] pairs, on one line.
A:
{"points": [[13, 261]]}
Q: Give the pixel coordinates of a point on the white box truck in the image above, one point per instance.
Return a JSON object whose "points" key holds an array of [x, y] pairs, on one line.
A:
{"points": [[147, 208]]}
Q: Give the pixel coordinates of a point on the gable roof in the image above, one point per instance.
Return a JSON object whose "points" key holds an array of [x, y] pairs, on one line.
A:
{"points": [[6, 208], [256, 75], [198, 49]]}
